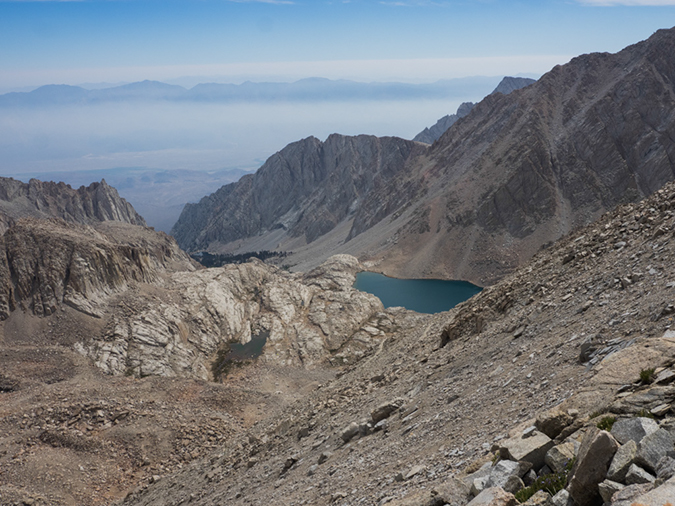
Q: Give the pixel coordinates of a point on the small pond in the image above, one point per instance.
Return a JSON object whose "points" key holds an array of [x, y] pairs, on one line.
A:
{"points": [[237, 354], [421, 295]]}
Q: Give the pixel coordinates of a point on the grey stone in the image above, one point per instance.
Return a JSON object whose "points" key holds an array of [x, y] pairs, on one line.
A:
{"points": [[478, 485], [633, 429], [595, 455], [553, 422], [503, 470], [324, 457], [385, 410], [626, 496], [493, 496], [541, 498], [513, 484], [312, 469], [562, 498], [559, 456], [349, 432], [661, 410], [665, 376], [415, 470], [529, 477], [636, 475], [531, 449], [608, 488], [544, 471], [622, 460], [660, 496], [665, 469], [653, 448], [644, 399]]}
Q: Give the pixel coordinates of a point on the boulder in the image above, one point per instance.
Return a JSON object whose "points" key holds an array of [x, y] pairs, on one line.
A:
{"points": [[553, 422], [494, 496], [636, 476], [644, 399], [665, 469], [627, 495], [559, 456], [541, 498], [562, 498], [608, 488], [385, 410], [622, 460], [349, 432], [531, 449], [653, 448], [633, 429], [505, 469], [660, 496], [595, 455]]}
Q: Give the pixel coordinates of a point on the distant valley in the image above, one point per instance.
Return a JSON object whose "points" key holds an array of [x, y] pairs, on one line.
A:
{"points": [[185, 144]]}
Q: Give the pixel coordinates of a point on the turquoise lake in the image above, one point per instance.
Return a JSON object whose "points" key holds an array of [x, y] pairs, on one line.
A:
{"points": [[421, 295]]}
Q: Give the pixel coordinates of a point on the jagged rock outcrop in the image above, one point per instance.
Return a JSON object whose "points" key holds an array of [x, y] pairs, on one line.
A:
{"points": [[46, 264], [509, 84], [305, 189], [431, 134], [86, 205], [516, 173], [306, 318]]}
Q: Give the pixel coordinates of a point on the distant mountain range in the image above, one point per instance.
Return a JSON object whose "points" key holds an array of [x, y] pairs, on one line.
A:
{"points": [[311, 89], [518, 172]]}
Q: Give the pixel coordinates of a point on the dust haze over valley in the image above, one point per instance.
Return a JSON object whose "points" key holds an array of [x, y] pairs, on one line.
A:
{"points": [[161, 152]]}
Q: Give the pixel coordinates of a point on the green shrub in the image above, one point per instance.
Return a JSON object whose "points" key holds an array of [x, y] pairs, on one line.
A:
{"points": [[644, 413], [647, 376], [606, 423], [551, 483]]}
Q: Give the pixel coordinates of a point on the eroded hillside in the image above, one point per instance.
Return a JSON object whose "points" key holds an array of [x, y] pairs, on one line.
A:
{"points": [[572, 329]]}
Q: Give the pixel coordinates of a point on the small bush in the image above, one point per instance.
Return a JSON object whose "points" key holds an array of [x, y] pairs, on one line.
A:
{"points": [[551, 483], [647, 376], [597, 413], [606, 423], [644, 413]]}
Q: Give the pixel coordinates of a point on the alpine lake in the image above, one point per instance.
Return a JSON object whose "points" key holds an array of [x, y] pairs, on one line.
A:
{"points": [[422, 295]]}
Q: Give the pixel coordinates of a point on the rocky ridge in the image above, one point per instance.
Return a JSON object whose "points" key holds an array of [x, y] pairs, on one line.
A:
{"points": [[432, 134], [86, 205], [519, 171], [540, 359], [304, 190]]}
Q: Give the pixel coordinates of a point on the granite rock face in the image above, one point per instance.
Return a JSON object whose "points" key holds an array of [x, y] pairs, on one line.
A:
{"points": [[206, 310], [46, 264], [86, 205], [305, 189]]}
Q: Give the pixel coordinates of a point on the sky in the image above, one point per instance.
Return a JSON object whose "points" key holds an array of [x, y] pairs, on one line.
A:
{"points": [[114, 41]]}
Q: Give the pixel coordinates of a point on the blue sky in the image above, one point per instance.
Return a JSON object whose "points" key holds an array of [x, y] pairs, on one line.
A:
{"points": [[92, 41]]}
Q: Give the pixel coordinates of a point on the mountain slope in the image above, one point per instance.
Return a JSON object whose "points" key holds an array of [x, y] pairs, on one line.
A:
{"points": [[571, 331], [518, 172], [304, 190], [94, 203], [433, 133]]}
